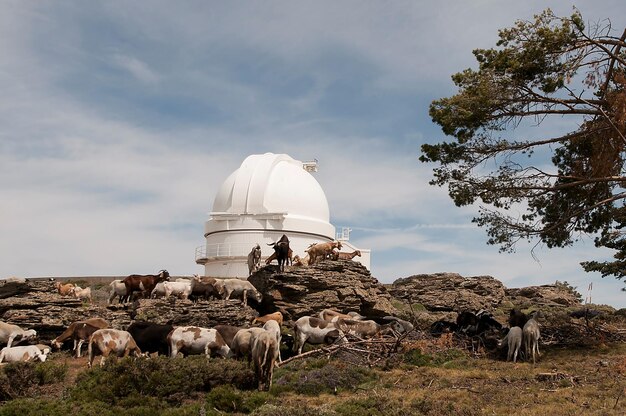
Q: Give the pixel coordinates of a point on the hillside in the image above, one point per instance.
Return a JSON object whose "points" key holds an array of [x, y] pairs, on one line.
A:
{"points": [[582, 368]]}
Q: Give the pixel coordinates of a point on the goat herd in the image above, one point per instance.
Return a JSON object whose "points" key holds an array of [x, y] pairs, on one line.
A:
{"points": [[523, 331], [258, 344]]}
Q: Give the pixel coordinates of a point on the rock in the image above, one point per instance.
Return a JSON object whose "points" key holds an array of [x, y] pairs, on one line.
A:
{"points": [[449, 291], [202, 313], [37, 305], [343, 285], [545, 295]]}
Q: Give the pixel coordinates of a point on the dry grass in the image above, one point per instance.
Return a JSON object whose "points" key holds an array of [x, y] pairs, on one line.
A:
{"points": [[589, 382]]}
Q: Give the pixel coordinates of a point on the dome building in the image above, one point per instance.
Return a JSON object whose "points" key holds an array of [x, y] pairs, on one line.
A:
{"points": [[268, 196]]}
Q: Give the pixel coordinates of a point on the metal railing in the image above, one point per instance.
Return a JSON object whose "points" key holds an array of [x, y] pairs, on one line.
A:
{"points": [[223, 250]]}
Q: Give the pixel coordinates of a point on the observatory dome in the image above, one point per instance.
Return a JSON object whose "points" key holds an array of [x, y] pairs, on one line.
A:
{"points": [[273, 183]]}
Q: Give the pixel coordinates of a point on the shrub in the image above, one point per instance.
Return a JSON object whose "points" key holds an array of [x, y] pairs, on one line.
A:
{"points": [[330, 378], [20, 380], [171, 379], [228, 399], [372, 406], [50, 372], [446, 358]]}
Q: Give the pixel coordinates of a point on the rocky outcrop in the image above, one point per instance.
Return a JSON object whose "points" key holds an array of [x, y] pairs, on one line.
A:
{"points": [[449, 291], [37, 305], [559, 294], [342, 285]]}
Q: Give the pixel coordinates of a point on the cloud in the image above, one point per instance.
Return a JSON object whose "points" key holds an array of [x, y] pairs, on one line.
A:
{"points": [[120, 122], [136, 68]]}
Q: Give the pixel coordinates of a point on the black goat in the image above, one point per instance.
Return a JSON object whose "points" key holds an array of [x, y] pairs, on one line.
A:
{"points": [[281, 248]]}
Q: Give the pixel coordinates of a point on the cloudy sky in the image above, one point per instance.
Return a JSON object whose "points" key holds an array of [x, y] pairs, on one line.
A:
{"points": [[120, 119]]}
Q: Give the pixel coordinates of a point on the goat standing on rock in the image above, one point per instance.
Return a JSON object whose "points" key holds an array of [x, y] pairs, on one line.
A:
{"points": [[281, 249], [321, 250], [254, 259]]}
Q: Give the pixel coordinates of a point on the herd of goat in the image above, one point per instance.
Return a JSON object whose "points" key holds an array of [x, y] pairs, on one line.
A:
{"points": [[523, 331], [260, 343]]}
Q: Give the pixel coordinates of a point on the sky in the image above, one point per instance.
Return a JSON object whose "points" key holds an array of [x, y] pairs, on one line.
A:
{"points": [[119, 120]]}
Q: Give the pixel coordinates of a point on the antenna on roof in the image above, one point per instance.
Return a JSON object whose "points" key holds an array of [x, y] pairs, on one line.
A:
{"points": [[310, 166]]}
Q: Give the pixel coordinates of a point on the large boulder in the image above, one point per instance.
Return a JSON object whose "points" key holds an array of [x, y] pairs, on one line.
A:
{"points": [[343, 285], [449, 291]]}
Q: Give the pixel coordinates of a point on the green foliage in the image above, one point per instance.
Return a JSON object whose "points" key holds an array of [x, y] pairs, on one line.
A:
{"points": [[50, 372], [62, 407], [230, 400], [450, 358], [373, 406], [22, 379], [541, 68], [162, 377], [313, 379]]}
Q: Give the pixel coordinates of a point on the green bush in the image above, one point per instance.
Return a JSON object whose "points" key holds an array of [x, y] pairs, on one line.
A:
{"points": [[23, 378], [50, 372], [230, 400], [312, 380], [372, 406], [446, 358], [171, 379]]}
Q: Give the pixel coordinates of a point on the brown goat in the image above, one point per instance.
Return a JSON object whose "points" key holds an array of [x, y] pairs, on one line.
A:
{"points": [[276, 316], [321, 250]]}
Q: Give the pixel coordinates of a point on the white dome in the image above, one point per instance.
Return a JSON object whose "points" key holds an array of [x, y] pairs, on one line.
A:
{"points": [[272, 183]]}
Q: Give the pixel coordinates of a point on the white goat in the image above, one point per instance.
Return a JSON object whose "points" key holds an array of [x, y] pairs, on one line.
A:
{"points": [[80, 293], [180, 289], [514, 342], [273, 328], [531, 337], [118, 288], [242, 342], [227, 287], [316, 331]]}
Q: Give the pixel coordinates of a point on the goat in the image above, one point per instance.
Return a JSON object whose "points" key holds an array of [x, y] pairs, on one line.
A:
{"points": [[290, 257], [80, 293], [226, 287], [300, 261], [514, 342], [264, 351], [517, 318], [332, 315], [179, 289], [242, 342], [273, 328], [79, 332], [10, 333], [203, 287], [254, 259], [399, 325], [118, 288], [281, 249], [363, 329], [144, 283], [64, 289], [322, 250], [276, 316], [336, 255], [531, 337], [316, 331], [158, 291]]}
